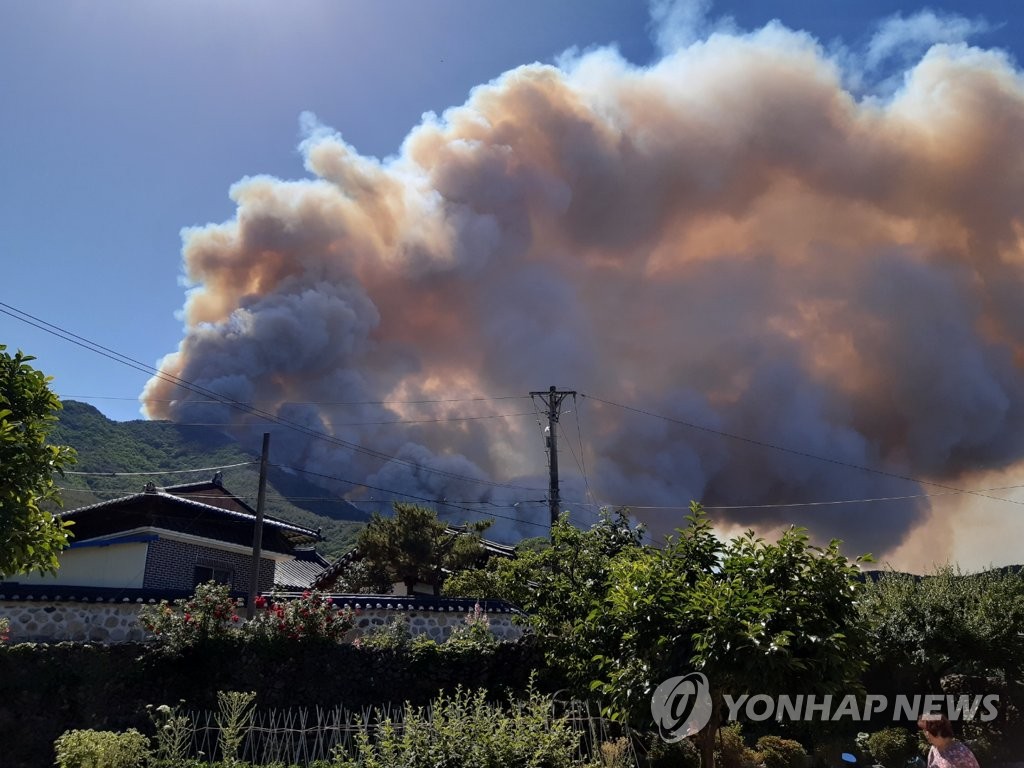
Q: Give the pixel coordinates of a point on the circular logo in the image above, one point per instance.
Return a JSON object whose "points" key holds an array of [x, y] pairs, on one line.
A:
{"points": [[681, 706]]}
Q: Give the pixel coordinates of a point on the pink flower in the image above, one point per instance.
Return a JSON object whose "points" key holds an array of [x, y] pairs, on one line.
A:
{"points": [[234, 618]]}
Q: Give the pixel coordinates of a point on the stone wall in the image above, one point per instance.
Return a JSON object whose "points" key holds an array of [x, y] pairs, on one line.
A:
{"points": [[117, 621]]}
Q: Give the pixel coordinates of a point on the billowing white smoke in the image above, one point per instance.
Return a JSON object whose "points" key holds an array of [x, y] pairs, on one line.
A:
{"points": [[729, 238]]}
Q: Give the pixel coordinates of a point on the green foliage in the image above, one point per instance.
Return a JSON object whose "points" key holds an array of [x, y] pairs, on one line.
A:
{"points": [[5, 629], [753, 616], [777, 752], [465, 730], [393, 635], [414, 547], [101, 749], [235, 711], [141, 446], [173, 734], [474, 632], [892, 747], [211, 614], [681, 754], [31, 537], [364, 577], [309, 617], [207, 615], [948, 622], [558, 586], [731, 751]]}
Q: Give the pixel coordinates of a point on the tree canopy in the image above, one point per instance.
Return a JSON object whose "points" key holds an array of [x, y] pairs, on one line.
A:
{"points": [[414, 547], [30, 535]]}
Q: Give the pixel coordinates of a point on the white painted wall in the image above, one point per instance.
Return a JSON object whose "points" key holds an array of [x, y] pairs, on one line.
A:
{"points": [[117, 565]]}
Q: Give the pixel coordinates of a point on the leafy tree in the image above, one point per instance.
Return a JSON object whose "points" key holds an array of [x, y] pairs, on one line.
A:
{"points": [[558, 585], [752, 616], [414, 547], [30, 535], [947, 622]]}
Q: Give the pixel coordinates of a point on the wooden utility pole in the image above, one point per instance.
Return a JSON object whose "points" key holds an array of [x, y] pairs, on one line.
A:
{"points": [[552, 400], [257, 534]]}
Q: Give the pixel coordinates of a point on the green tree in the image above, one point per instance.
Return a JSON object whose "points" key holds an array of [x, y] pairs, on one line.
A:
{"points": [[558, 585], [414, 547], [30, 535], [947, 623], [754, 617]]}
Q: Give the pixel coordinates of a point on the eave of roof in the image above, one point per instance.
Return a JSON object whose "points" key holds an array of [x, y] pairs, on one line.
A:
{"points": [[184, 501]]}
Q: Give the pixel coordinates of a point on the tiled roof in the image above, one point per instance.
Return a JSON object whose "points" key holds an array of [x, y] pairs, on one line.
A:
{"points": [[268, 522], [301, 572]]}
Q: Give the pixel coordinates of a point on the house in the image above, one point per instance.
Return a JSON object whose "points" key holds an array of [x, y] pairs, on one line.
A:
{"points": [[171, 539]]}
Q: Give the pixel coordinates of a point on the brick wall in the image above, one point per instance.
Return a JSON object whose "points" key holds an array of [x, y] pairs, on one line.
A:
{"points": [[171, 564]]}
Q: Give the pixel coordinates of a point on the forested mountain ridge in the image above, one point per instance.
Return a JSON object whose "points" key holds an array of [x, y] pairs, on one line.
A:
{"points": [[124, 447]]}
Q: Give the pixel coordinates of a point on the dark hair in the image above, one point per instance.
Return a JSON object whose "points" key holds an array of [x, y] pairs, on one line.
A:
{"points": [[936, 725]]}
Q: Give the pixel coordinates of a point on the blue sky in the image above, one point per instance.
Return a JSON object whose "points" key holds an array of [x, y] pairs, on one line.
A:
{"points": [[125, 121]]}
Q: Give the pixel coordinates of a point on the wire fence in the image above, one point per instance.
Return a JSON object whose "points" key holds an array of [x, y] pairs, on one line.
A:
{"points": [[303, 736]]}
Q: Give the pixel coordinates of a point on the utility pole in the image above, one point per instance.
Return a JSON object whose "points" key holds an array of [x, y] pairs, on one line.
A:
{"points": [[257, 534], [552, 400]]}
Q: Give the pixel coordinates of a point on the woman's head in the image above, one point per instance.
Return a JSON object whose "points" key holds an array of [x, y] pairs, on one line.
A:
{"points": [[936, 725]]}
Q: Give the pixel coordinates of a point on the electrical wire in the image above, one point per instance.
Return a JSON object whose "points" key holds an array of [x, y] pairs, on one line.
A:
{"points": [[443, 502], [794, 452], [314, 402], [99, 349], [223, 425], [161, 472]]}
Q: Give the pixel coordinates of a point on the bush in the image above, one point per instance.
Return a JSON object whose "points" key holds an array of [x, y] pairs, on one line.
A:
{"points": [[101, 749], [682, 754], [212, 615], [207, 615], [475, 631], [892, 747], [395, 635], [777, 752], [310, 617], [731, 751], [465, 730]]}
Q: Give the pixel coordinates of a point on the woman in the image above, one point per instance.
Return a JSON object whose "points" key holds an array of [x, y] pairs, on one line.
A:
{"points": [[946, 752]]}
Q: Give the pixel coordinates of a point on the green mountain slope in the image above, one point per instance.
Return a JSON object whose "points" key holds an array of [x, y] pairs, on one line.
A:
{"points": [[121, 447]]}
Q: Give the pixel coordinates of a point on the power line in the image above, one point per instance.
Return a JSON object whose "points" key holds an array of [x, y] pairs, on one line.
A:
{"points": [[99, 349], [794, 452], [346, 424], [443, 502], [313, 402], [160, 472]]}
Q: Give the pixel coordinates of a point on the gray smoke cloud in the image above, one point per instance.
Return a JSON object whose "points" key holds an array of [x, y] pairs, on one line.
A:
{"points": [[730, 237]]}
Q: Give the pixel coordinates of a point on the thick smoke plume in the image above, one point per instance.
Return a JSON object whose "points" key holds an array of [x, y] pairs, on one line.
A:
{"points": [[730, 238]]}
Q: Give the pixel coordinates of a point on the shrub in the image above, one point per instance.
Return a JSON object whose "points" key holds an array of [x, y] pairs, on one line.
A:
{"points": [[101, 749], [207, 615], [5, 629], [394, 635], [474, 632], [309, 617], [465, 730], [682, 754], [892, 747], [731, 751], [777, 752]]}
